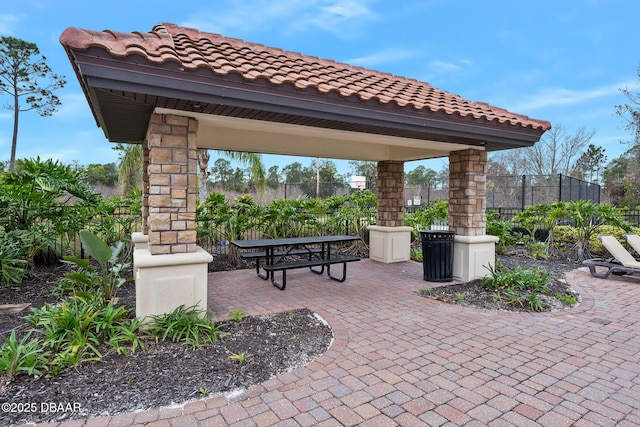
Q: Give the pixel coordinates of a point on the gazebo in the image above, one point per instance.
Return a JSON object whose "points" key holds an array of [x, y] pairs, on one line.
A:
{"points": [[175, 90]]}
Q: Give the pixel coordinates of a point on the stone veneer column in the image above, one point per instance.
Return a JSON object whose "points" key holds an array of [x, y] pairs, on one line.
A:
{"points": [[468, 192], [390, 191], [473, 250], [172, 184], [170, 269], [389, 240]]}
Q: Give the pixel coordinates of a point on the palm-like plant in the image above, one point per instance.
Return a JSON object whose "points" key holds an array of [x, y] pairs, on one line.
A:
{"points": [[131, 160], [587, 218]]}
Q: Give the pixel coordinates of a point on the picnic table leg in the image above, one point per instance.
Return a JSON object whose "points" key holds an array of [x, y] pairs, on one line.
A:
{"points": [[260, 275], [344, 273], [322, 266], [284, 280]]}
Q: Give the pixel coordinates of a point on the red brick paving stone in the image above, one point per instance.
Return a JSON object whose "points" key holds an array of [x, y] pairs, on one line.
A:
{"points": [[517, 420], [305, 405], [147, 416], [209, 413], [214, 421], [484, 413], [197, 406], [100, 422], [161, 423], [184, 421], [431, 418], [452, 414], [305, 420], [379, 421], [233, 413], [555, 419], [72, 423], [408, 420], [266, 419], [367, 411], [122, 420], [346, 416], [356, 399], [503, 403], [284, 409], [528, 411], [380, 389], [330, 423]]}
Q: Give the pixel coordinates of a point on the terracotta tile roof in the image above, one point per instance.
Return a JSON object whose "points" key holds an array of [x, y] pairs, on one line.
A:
{"points": [[193, 50]]}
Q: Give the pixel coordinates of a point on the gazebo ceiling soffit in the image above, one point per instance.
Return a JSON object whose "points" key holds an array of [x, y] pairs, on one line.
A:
{"points": [[249, 97]]}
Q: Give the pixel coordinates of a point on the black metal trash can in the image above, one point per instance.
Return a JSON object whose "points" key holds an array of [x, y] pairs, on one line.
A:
{"points": [[437, 255]]}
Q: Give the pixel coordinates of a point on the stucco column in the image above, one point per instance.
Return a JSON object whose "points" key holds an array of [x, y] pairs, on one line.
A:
{"points": [[389, 240], [171, 270], [474, 251], [145, 188]]}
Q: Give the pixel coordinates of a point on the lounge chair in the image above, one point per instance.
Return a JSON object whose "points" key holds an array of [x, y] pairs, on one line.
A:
{"points": [[633, 240], [622, 262]]}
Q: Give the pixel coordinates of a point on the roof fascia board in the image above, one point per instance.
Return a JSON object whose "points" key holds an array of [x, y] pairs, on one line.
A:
{"points": [[171, 86]]}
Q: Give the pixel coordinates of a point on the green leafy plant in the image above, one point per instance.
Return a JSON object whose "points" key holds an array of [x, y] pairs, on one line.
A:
{"points": [[587, 218], [502, 229], [47, 201], [108, 276], [13, 251], [74, 330], [519, 278], [239, 357], [567, 299], [435, 212], [425, 291], [535, 302], [189, 326], [22, 356], [237, 315], [458, 296]]}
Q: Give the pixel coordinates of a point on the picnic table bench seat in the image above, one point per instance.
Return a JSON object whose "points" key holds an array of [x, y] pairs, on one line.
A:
{"points": [[311, 263], [257, 255]]}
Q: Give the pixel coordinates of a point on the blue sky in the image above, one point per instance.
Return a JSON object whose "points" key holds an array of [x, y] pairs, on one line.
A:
{"points": [[561, 61]]}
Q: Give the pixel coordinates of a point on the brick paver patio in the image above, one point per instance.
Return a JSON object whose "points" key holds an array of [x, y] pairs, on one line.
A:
{"points": [[399, 359]]}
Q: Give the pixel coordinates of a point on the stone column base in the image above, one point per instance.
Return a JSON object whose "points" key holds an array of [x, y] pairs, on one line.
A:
{"points": [[389, 244], [472, 255], [165, 282], [139, 240]]}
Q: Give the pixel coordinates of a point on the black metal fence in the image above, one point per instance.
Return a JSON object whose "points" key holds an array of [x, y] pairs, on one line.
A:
{"points": [[503, 191], [521, 191]]}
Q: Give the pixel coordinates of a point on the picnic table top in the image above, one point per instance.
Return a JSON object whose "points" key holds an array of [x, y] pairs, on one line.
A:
{"points": [[291, 241]]}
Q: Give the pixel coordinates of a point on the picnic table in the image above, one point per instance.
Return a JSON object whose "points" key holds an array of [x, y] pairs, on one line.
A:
{"points": [[313, 251]]}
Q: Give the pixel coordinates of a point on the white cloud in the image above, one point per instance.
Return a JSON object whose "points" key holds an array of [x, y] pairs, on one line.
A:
{"points": [[561, 97], [8, 22], [248, 16], [340, 17], [383, 57]]}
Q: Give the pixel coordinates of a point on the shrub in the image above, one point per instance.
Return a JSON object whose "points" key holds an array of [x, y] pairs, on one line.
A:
{"points": [[24, 356], [516, 279], [189, 325], [74, 330]]}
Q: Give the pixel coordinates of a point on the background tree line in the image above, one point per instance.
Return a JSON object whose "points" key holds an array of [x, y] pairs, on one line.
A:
{"points": [[29, 84]]}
